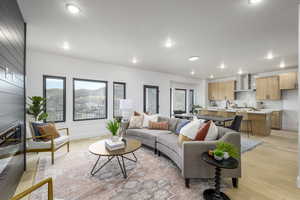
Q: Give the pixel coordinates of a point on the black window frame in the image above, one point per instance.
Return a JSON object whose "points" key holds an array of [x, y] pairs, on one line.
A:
{"points": [[106, 100], [157, 97], [119, 83], [193, 101], [185, 102], [64, 94]]}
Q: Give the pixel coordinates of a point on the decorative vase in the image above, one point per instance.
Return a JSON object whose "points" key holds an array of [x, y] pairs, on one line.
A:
{"points": [[226, 155], [218, 157], [115, 138]]}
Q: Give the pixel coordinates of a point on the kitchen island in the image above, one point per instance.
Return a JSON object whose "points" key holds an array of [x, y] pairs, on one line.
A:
{"points": [[260, 119]]}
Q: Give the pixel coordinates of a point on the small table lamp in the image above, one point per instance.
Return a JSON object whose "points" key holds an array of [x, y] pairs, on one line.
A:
{"points": [[126, 106]]}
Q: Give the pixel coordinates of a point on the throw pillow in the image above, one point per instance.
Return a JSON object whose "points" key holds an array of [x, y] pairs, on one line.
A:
{"points": [[202, 132], [48, 129], [35, 130], [182, 139], [136, 113], [172, 122], [212, 133], [180, 125], [148, 118], [191, 129], [136, 122], [158, 125]]}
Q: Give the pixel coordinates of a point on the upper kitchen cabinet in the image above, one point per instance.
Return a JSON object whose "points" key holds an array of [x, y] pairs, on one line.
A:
{"points": [[288, 81], [267, 88], [221, 90]]}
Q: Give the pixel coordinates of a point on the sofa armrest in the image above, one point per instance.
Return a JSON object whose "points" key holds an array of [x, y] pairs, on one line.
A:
{"points": [[194, 167]]}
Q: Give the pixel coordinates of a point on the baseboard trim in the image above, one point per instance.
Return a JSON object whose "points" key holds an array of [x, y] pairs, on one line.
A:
{"points": [[298, 181]]}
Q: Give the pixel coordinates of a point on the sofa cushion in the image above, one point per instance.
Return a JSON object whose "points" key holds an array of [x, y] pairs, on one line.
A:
{"points": [[146, 133], [191, 129], [172, 122], [212, 133], [136, 122], [169, 140], [181, 123], [202, 132], [148, 118], [159, 125]]}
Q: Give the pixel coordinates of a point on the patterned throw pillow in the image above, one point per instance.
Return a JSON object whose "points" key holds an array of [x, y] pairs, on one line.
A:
{"points": [[158, 125], [136, 122], [48, 129]]}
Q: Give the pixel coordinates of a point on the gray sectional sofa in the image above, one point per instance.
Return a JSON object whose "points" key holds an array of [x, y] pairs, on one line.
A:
{"points": [[188, 155]]}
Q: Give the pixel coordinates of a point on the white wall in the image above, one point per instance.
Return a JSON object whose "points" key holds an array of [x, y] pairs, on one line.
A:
{"points": [[41, 63]]}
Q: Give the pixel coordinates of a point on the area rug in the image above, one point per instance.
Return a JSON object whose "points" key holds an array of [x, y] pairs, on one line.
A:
{"points": [[152, 177], [248, 144]]}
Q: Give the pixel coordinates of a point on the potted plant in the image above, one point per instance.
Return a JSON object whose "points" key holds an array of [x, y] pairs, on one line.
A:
{"points": [[113, 126], [36, 108], [228, 149], [218, 154]]}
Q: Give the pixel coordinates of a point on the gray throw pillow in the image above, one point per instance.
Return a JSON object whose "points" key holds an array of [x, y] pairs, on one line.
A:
{"points": [[162, 119], [173, 124]]}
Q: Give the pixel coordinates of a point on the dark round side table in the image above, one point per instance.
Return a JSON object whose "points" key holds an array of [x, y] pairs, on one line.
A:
{"points": [[230, 163]]}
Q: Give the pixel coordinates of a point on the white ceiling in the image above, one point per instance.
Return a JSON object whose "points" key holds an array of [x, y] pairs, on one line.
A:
{"points": [[113, 31]]}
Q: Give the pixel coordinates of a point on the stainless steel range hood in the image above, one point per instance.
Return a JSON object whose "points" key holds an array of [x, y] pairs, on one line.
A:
{"points": [[245, 83]]}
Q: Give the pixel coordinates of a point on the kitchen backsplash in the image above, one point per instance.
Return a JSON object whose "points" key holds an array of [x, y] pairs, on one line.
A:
{"points": [[248, 99]]}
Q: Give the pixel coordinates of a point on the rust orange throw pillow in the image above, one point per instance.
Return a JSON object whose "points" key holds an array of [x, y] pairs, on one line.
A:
{"points": [[48, 129], [159, 125], [202, 132]]}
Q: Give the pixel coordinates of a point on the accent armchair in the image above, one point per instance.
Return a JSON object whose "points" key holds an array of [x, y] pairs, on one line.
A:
{"points": [[35, 144]]}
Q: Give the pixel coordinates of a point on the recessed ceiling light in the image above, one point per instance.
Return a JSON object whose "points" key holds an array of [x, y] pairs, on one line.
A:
{"points": [[73, 9], [222, 66], [193, 58], [169, 43], [282, 64], [211, 76], [134, 60], [270, 56], [192, 72], [254, 1], [240, 71], [66, 46]]}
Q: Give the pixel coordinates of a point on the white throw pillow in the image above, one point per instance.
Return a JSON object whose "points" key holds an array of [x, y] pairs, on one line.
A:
{"points": [[136, 122], [148, 118], [212, 133], [190, 130]]}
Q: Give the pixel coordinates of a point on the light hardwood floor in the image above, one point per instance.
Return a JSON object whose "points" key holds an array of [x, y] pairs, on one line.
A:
{"points": [[268, 172]]}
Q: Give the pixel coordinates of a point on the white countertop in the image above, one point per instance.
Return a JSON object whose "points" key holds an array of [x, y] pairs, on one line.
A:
{"points": [[248, 110]]}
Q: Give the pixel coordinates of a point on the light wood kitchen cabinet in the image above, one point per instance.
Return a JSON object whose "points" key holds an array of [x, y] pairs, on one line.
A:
{"points": [[267, 88], [276, 120], [288, 81], [221, 90]]}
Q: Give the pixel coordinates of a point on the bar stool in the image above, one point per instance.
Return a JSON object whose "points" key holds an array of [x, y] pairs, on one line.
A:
{"points": [[248, 122]]}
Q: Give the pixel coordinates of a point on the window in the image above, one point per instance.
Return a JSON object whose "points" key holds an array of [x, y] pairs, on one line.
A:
{"points": [[55, 92], [119, 93], [180, 100], [191, 100], [151, 99], [89, 99]]}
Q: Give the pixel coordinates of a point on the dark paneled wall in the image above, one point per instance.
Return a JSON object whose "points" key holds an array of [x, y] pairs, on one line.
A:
{"points": [[12, 93]]}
